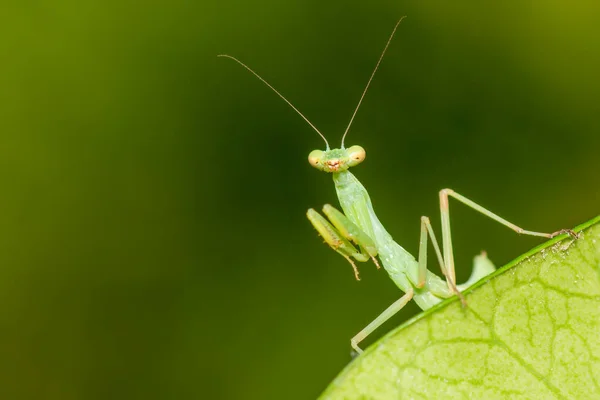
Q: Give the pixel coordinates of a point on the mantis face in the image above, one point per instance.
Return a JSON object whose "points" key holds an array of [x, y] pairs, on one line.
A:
{"points": [[336, 160]]}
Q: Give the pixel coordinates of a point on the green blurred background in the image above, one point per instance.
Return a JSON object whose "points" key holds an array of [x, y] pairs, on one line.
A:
{"points": [[153, 237]]}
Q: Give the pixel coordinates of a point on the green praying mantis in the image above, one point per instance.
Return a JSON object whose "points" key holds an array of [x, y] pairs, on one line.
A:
{"points": [[358, 235]]}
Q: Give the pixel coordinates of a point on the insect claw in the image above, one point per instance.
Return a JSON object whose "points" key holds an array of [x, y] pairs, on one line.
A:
{"points": [[353, 267], [463, 301], [354, 354], [571, 233], [458, 294], [375, 261]]}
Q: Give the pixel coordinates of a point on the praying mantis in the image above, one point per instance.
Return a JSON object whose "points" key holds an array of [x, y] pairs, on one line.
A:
{"points": [[358, 235]]}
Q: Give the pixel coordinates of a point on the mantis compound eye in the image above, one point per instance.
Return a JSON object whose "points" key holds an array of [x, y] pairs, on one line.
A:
{"points": [[356, 155], [315, 157]]}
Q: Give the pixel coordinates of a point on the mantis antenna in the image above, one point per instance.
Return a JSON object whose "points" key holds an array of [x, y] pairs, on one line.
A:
{"points": [[279, 94], [370, 79]]}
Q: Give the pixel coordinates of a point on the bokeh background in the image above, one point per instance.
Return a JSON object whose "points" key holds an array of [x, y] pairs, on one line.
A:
{"points": [[153, 242]]}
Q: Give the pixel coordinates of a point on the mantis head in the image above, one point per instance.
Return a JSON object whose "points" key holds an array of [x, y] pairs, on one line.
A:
{"points": [[336, 160]]}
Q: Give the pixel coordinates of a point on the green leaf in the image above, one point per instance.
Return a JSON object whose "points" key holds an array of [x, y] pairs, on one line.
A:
{"points": [[531, 331]]}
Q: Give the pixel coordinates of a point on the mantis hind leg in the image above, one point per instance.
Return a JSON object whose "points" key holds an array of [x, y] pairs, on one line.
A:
{"points": [[482, 265], [342, 235], [443, 292], [448, 258]]}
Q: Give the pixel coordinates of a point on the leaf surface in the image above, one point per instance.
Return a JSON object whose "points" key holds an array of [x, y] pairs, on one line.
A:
{"points": [[531, 331]]}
